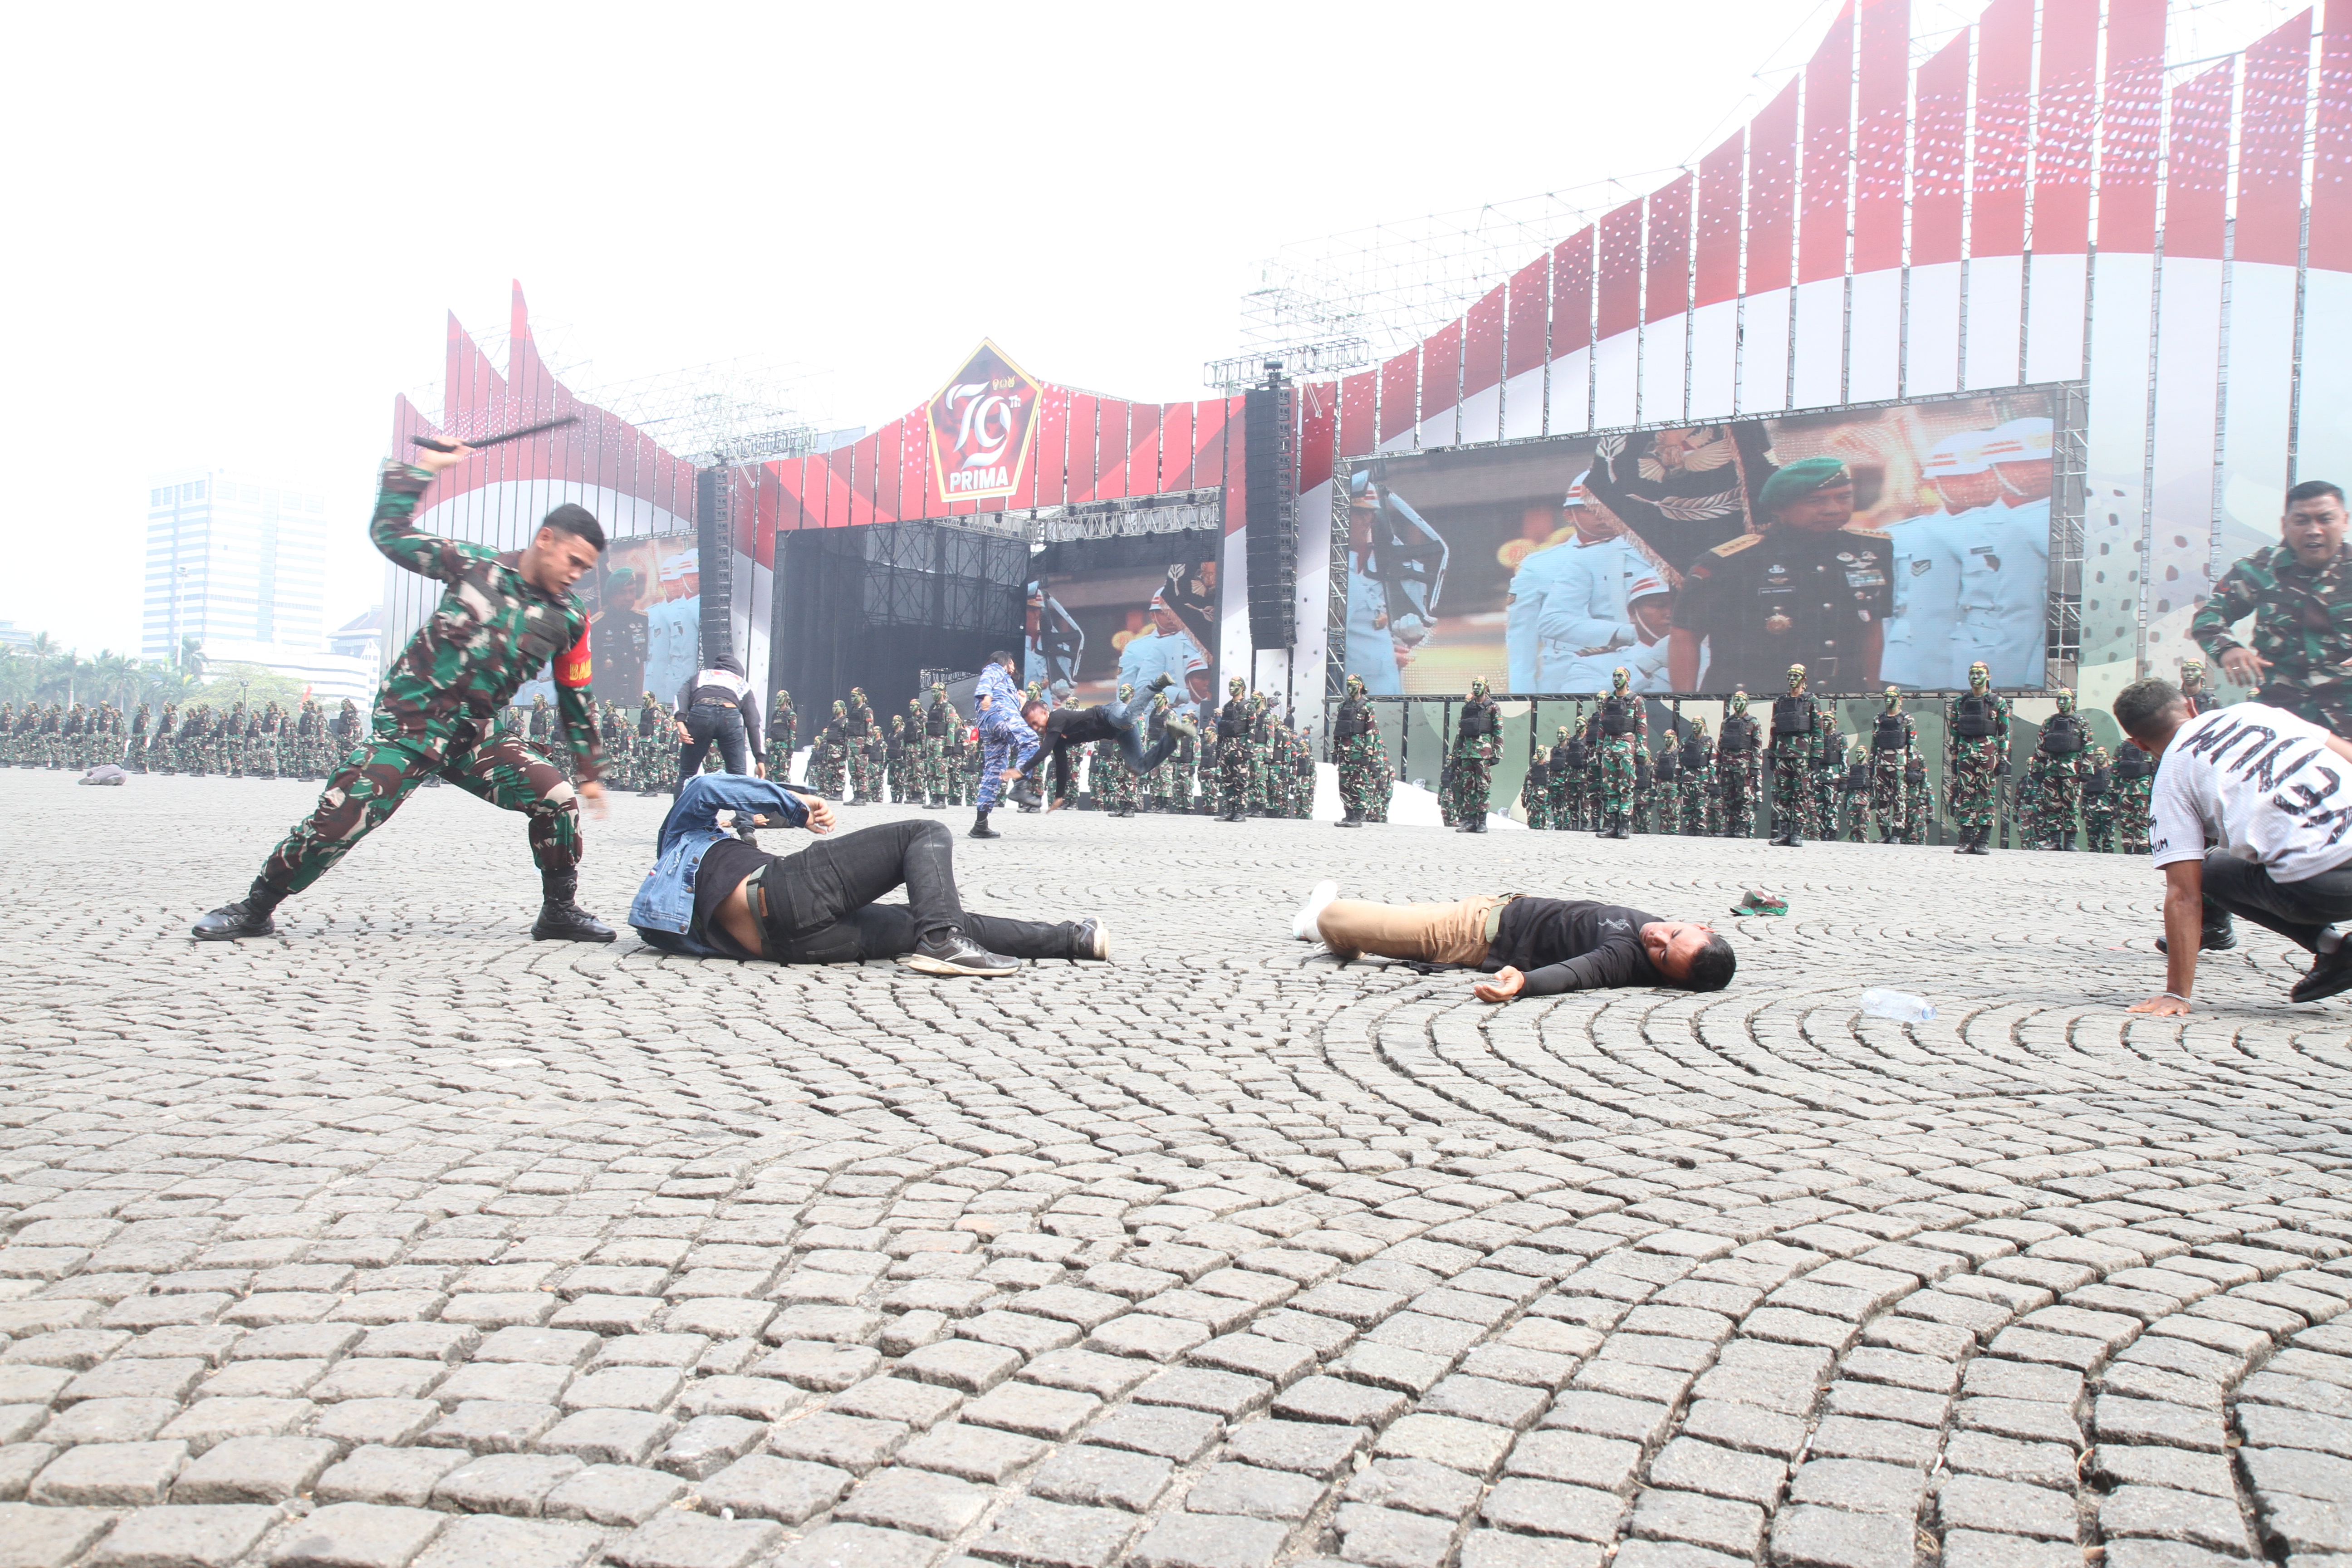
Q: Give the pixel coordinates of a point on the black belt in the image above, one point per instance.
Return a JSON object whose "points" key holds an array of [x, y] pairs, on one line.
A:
{"points": [[713, 702]]}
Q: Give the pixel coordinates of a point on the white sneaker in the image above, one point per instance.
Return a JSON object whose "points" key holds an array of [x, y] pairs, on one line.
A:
{"points": [[1302, 923]]}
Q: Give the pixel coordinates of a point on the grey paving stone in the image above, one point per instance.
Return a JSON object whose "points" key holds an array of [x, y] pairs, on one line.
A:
{"points": [[974, 1453], [920, 1501], [358, 1422], [1181, 1436], [357, 1535], [1554, 1508], [1312, 1448], [1209, 1541], [786, 1490], [34, 1537], [1980, 1502], [118, 1474], [845, 1442], [1034, 1534], [618, 1495], [1985, 1548], [1721, 1524], [2196, 1518], [397, 1477], [841, 1545], [1687, 1463], [1607, 1463], [1417, 1485], [676, 1539], [1250, 1491], [175, 1536], [1091, 1477], [254, 1470], [1470, 1446], [1037, 1412], [1807, 1535]]}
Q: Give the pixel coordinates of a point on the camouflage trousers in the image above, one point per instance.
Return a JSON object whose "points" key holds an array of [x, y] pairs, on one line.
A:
{"points": [[1701, 813], [511, 774], [1115, 786], [1857, 815], [1976, 779], [1890, 802], [2057, 798], [2099, 825], [1616, 778], [1364, 776], [864, 775], [2131, 814], [2329, 707], [1233, 777], [1537, 798], [1792, 791], [1474, 784], [928, 779]]}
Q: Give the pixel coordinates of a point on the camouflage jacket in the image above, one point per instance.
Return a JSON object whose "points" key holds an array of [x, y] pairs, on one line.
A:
{"points": [[2303, 619], [491, 632]]}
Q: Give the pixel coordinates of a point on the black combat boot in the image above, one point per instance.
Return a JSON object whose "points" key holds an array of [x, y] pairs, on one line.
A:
{"points": [[1617, 828], [1355, 819], [249, 916], [979, 827], [561, 920]]}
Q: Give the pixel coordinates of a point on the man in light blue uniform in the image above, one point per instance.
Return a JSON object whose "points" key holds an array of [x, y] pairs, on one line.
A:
{"points": [[674, 628], [1166, 649], [1371, 644], [1567, 605], [2005, 561], [1927, 566]]}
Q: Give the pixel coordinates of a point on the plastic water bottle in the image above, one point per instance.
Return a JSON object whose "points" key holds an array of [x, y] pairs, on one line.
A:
{"points": [[1899, 1005]]}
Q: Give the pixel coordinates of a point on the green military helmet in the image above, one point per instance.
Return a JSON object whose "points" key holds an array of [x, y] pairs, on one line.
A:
{"points": [[649, 699], [1127, 691], [1739, 699], [938, 690], [2065, 699], [1355, 686], [840, 706], [1237, 685], [2192, 672], [2099, 755], [1562, 734], [1160, 702], [1893, 699], [1478, 687], [1698, 727], [1795, 678], [1980, 676], [1619, 679], [898, 720], [1601, 697]]}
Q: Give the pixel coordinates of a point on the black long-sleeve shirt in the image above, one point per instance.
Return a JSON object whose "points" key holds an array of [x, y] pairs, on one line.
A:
{"points": [[722, 686], [1573, 944], [1067, 728]]}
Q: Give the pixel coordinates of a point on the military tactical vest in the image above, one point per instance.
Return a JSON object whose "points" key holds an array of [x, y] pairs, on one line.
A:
{"points": [[1478, 718], [1693, 755], [2097, 784], [935, 723], [1233, 721], [1669, 766], [1739, 734], [1792, 716], [1575, 749], [2134, 764], [2062, 736], [1617, 716], [1886, 732], [1972, 718]]}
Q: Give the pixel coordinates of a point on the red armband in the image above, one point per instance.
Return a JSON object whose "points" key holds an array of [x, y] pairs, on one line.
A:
{"points": [[573, 669]]}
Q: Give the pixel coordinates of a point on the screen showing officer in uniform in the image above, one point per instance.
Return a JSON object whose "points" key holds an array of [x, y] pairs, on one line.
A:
{"points": [[1879, 546]]}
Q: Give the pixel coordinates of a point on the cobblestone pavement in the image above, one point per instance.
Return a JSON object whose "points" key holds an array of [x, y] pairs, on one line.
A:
{"points": [[406, 1240]]}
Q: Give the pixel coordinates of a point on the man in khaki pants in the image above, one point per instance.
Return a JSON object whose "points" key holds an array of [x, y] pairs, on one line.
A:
{"points": [[1532, 946]]}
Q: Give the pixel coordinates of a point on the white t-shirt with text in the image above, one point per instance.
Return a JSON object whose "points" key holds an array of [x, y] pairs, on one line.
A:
{"points": [[2262, 784]]}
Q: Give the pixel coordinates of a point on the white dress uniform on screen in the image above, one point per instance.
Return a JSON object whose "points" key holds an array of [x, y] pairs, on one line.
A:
{"points": [[1371, 651], [2005, 569]]}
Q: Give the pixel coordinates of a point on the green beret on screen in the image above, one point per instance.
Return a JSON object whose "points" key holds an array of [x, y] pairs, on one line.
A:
{"points": [[1801, 479]]}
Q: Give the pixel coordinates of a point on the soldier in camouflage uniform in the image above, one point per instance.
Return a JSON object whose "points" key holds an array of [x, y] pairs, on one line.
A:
{"points": [[1565, 771], [1534, 790], [1477, 741], [784, 737], [1919, 800], [959, 760], [2055, 778], [2299, 593], [1363, 762], [1976, 750], [1854, 784], [1738, 756], [1234, 720], [1893, 741], [2099, 804], [2134, 774], [1667, 774], [932, 752], [1702, 811], [1797, 727], [1114, 784], [1623, 722], [857, 731], [503, 618]]}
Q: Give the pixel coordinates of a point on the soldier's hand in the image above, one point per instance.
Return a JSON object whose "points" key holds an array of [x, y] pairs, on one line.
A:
{"points": [[593, 793], [433, 461], [2244, 667], [1507, 983]]}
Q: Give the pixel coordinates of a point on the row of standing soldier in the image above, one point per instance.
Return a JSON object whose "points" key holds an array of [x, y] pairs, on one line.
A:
{"points": [[262, 742], [1601, 776]]}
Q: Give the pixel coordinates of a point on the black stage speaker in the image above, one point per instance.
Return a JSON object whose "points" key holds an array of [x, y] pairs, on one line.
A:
{"points": [[1270, 472], [714, 527]]}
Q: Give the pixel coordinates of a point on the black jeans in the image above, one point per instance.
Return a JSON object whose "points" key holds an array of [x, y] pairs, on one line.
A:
{"points": [[2296, 910], [887, 931], [833, 878], [708, 722]]}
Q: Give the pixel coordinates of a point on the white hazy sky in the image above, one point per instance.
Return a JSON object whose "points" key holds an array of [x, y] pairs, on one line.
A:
{"points": [[238, 228]]}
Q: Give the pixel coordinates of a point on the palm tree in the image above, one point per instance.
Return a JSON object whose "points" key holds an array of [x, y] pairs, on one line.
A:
{"points": [[192, 660], [42, 648], [117, 674]]}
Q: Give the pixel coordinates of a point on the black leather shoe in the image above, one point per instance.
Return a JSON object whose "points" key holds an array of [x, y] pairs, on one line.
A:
{"points": [[979, 827], [560, 920], [1353, 819], [2330, 973], [956, 953], [243, 918], [1975, 842], [2214, 936], [1619, 829]]}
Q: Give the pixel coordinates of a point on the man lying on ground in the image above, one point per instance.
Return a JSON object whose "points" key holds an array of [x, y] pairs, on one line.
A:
{"points": [[2274, 792], [1062, 728], [1533, 947], [710, 895]]}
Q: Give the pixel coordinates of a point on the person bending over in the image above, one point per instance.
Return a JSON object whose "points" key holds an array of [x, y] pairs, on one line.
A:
{"points": [[711, 895], [715, 707], [1005, 743], [2274, 791], [1059, 729], [1532, 946], [500, 619]]}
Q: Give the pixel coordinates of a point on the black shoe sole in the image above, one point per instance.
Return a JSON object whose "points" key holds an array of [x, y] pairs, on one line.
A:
{"points": [[2333, 975], [237, 933], [538, 935]]}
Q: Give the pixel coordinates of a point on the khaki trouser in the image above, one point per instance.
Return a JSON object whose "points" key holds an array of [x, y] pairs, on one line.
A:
{"points": [[1434, 933]]}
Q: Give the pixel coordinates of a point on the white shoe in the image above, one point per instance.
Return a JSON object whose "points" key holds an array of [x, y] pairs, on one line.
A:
{"points": [[1302, 924]]}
